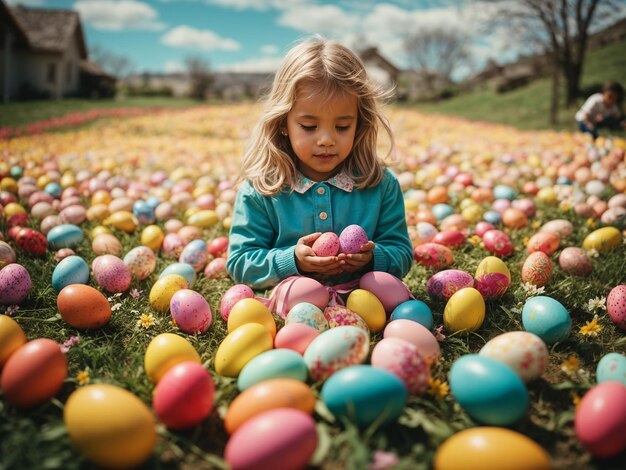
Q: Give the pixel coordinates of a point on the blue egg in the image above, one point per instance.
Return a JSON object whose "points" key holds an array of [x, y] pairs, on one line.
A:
{"points": [[16, 172], [365, 395], [612, 367], [182, 269], [153, 202], [492, 217], [502, 191], [441, 211], [563, 180], [70, 270], [547, 318], [144, 212], [53, 189], [488, 390], [64, 236], [414, 310], [273, 364]]}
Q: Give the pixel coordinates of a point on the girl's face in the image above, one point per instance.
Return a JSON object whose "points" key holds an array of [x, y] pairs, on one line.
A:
{"points": [[609, 98], [321, 132]]}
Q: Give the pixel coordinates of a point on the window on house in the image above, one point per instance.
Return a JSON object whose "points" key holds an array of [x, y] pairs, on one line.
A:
{"points": [[52, 73], [68, 72]]}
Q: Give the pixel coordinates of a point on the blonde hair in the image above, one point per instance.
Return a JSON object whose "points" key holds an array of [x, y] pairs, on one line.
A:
{"points": [[331, 69]]}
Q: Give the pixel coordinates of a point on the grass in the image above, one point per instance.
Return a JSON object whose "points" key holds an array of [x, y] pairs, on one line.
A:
{"points": [[201, 145]]}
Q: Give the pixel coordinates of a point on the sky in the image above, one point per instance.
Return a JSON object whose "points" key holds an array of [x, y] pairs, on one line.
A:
{"points": [[254, 35]]}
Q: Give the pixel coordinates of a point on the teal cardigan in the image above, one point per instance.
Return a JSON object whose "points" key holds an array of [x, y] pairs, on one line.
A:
{"points": [[265, 229]]}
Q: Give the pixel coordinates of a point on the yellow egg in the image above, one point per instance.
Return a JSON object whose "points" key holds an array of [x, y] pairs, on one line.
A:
{"points": [[112, 427], [8, 184], [465, 311], [465, 203], [472, 213], [13, 208], [227, 222], [200, 190], [152, 236], [122, 220], [11, 338], [492, 264], [192, 210], [67, 179], [203, 218], [163, 290], [43, 180], [410, 205], [368, 307], [98, 212], [546, 195], [251, 311], [603, 239], [164, 352], [240, 346], [99, 230], [490, 448], [101, 196]]}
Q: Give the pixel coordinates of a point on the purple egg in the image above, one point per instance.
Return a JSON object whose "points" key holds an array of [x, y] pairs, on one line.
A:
{"points": [[15, 284], [351, 239]]}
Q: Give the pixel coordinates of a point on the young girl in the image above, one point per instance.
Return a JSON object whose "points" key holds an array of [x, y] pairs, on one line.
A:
{"points": [[602, 110], [311, 167]]}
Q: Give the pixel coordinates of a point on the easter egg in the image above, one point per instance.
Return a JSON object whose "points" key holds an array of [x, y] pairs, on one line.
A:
{"points": [[491, 448], [164, 352], [615, 305], [204, 218], [561, 226], [498, 242], [450, 238], [364, 395], [184, 396], [492, 218], [327, 244], [83, 307], [109, 425], [106, 244], [195, 253], [416, 334], [251, 311], [433, 255], [268, 395], [233, 295], [281, 438], [442, 210], [34, 373], [603, 239], [70, 270], [64, 236], [31, 241], [173, 245], [339, 315], [190, 311], [414, 310], [524, 352], [387, 288], [152, 237], [367, 306], [442, 285], [464, 311], [612, 366], [301, 289], [240, 346], [216, 268], [123, 220], [575, 261], [425, 232], [600, 420], [352, 238], [335, 349], [502, 191], [514, 218], [7, 255], [218, 246], [546, 242], [401, 358], [163, 290], [492, 277], [182, 269], [111, 273], [15, 284], [273, 364], [537, 269], [12, 337], [547, 318], [296, 336], [307, 314], [141, 262], [488, 390]]}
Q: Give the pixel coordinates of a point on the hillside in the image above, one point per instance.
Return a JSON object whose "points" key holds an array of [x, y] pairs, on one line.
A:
{"points": [[528, 107]]}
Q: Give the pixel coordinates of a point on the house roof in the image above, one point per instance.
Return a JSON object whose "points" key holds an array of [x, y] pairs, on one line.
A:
{"points": [[372, 53], [50, 30]]}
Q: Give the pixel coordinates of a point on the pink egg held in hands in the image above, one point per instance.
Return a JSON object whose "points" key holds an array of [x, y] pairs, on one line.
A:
{"points": [[352, 238], [326, 245]]}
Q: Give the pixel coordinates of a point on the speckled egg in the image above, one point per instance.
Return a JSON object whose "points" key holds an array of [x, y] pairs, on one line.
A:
{"points": [[307, 314], [575, 261], [498, 242], [163, 289], [612, 366], [111, 273], [195, 253], [442, 285], [561, 226], [433, 255], [547, 242], [70, 270], [327, 244], [425, 232], [31, 241], [616, 305], [173, 245], [141, 261], [524, 352], [233, 295], [190, 311], [547, 318], [7, 255], [351, 238], [537, 269], [15, 284], [339, 315], [402, 358]]}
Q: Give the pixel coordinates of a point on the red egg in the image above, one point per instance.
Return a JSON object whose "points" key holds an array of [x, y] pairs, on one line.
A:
{"points": [[498, 242], [483, 227], [433, 255], [548, 242], [218, 246], [450, 238], [31, 241]]}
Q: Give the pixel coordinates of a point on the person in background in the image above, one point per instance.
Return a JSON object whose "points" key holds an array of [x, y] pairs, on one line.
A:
{"points": [[602, 110]]}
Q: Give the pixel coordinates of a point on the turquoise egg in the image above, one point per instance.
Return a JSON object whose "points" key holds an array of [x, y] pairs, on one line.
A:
{"points": [[182, 269], [307, 314], [70, 270], [488, 390], [502, 191], [492, 217], [53, 189], [64, 236], [612, 367], [441, 211], [547, 318], [365, 395], [414, 310], [273, 364]]}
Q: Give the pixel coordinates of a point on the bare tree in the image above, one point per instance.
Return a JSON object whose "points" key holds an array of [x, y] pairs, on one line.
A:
{"points": [[111, 63], [200, 75]]}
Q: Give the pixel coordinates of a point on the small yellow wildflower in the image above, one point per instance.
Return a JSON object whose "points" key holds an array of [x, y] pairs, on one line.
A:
{"points": [[571, 365], [525, 240], [437, 388], [565, 207], [535, 224], [591, 328], [590, 223], [146, 321], [83, 377], [575, 399], [475, 240]]}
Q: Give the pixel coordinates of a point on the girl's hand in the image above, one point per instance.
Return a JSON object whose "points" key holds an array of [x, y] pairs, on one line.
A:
{"points": [[308, 262], [358, 261]]}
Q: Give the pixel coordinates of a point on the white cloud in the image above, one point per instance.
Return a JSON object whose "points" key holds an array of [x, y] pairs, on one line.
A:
{"points": [[265, 64], [114, 15], [201, 39], [173, 66], [258, 4], [323, 19], [269, 49]]}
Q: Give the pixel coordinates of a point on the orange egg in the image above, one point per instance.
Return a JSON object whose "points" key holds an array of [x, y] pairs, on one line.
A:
{"points": [[514, 218], [437, 195], [83, 307], [34, 373], [548, 242], [101, 196], [424, 215]]}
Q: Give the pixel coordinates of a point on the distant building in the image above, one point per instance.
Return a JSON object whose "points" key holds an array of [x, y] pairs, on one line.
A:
{"points": [[43, 54]]}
